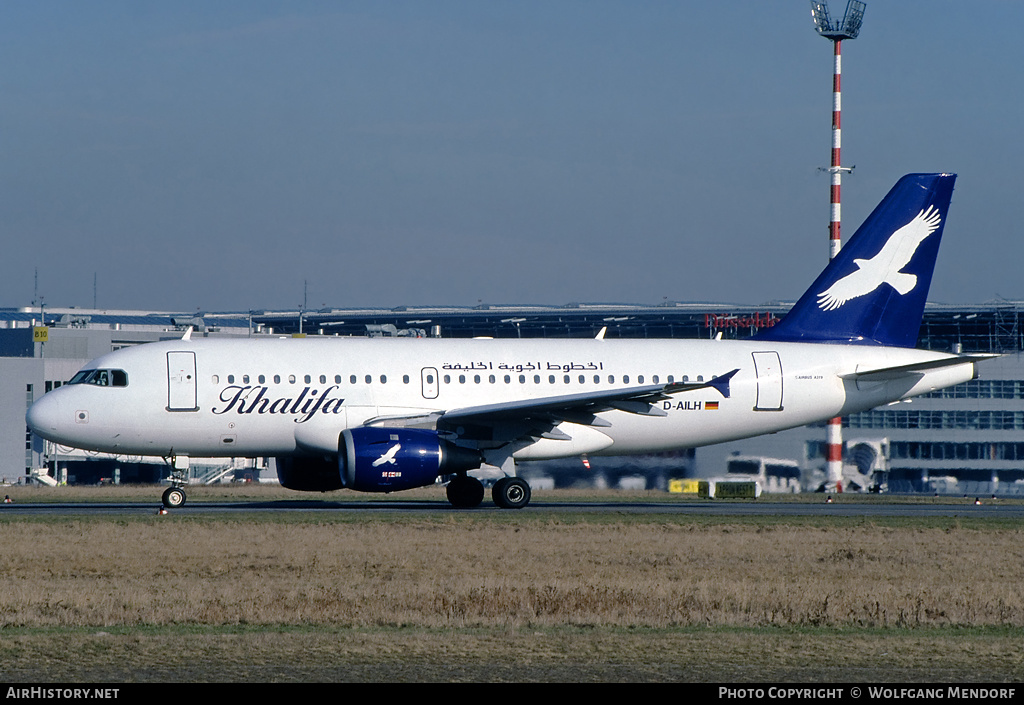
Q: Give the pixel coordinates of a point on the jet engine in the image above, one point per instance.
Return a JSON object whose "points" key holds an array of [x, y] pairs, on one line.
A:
{"points": [[372, 459], [375, 459]]}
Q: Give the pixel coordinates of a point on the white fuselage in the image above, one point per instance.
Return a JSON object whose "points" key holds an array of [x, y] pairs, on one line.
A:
{"points": [[286, 396]]}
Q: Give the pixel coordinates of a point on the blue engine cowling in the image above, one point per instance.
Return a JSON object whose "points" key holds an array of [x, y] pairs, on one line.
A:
{"points": [[372, 459]]}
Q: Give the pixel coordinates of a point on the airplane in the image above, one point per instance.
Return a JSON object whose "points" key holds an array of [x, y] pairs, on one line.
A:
{"points": [[384, 415]]}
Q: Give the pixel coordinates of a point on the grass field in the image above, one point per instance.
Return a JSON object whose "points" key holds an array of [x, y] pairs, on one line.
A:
{"points": [[502, 596]]}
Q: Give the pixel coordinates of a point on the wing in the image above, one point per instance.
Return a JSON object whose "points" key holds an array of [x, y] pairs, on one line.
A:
{"points": [[506, 421]]}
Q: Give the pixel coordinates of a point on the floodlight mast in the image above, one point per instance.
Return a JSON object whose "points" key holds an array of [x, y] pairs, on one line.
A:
{"points": [[836, 32]]}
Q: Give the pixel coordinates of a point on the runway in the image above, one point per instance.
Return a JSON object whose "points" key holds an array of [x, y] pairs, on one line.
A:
{"points": [[991, 509]]}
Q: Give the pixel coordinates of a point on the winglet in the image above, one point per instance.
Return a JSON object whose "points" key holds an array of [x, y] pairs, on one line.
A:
{"points": [[721, 384], [874, 291]]}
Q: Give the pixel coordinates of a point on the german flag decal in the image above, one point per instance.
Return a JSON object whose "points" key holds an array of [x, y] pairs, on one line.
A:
{"points": [[711, 406]]}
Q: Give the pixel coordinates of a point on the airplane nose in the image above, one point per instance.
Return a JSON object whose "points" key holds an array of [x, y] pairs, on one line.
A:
{"points": [[44, 416]]}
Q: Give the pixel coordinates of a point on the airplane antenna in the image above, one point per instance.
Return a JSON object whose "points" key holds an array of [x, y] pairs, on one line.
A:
{"points": [[304, 298], [836, 32]]}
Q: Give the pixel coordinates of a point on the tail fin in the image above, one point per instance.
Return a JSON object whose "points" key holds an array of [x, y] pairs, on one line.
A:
{"points": [[874, 290]]}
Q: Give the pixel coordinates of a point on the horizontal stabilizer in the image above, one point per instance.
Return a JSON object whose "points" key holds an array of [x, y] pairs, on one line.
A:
{"points": [[881, 374]]}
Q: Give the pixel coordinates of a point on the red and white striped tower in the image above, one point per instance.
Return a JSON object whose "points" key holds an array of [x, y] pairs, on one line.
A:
{"points": [[834, 430], [836, 170], [836, 32]]}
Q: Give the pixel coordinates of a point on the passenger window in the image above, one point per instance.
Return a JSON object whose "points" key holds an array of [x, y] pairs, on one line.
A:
{"points": [[383, 379], [583, 380], [640, 379], [597, 379], [369, 379], [476, 378], [447, 379], [405, 379], [323, 379], [352, 379], [245, 379], [231, 379], [522, 379], [215, 379], [262, 379], [291, 379], [462, 379], [625, 379], [551, 379], [307, 379], [277, 379], [337, 379], [566, 379], [536, 379], [508, 379]]}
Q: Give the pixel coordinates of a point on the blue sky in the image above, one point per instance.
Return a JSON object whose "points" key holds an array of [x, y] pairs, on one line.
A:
{"points": [[223, 155]]}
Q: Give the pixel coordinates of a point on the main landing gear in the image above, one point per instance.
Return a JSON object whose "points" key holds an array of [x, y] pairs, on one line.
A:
{"points": [[466, 492], [511, 493]]}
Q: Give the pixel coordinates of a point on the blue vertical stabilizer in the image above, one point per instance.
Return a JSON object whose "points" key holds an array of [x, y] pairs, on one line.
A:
{"points": [[874, 290]]}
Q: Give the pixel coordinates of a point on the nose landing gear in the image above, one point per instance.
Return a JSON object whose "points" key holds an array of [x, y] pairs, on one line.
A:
{"points": [[173, 497]]}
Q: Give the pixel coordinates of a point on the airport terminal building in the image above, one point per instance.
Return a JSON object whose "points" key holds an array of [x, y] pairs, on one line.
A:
{"points": [[967, 439]]}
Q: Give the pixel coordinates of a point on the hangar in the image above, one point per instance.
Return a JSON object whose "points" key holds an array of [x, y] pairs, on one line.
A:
{"points": [[966, 439]]}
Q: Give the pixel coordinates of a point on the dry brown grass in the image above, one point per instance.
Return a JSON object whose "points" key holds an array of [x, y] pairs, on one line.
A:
{"points": [[464, 571]]}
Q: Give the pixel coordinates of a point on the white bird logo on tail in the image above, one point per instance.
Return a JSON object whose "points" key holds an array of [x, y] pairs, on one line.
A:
{"points": [[388, 457], [884, 268]]}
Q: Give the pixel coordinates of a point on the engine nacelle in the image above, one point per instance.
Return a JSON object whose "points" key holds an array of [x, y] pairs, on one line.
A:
{"points": [[372, 459]]}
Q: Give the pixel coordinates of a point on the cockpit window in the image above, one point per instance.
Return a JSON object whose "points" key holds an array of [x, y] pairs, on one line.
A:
{"points": [[101, 378], [80, 376]]}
